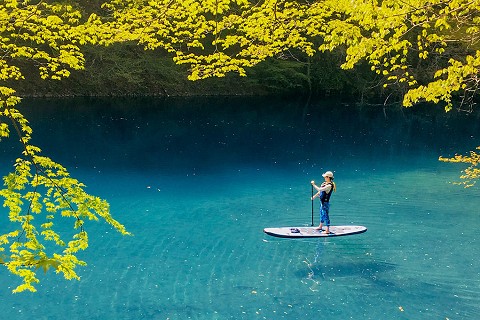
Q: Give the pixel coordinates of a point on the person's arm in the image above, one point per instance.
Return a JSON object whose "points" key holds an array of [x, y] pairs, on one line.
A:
{"points": [[325, 188]]}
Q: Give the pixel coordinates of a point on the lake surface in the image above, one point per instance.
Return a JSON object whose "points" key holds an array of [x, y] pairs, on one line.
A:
{"points": [[197, 180]]}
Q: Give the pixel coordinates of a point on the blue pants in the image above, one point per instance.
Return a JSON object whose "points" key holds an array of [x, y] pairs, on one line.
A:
{"points": [[324, 211]]}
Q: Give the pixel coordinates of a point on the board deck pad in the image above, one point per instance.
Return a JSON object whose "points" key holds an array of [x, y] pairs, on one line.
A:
{"points": [[311, 232]]}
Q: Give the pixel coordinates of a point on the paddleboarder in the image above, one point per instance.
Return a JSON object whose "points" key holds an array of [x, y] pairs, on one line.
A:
{"points": [[324, 192]]}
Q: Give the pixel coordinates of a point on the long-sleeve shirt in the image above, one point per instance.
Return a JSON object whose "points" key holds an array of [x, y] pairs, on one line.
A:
{"points": [[324, 187]]}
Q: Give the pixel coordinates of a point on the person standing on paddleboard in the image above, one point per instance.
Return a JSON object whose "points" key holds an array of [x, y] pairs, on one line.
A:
{"points": [[324, 192]]}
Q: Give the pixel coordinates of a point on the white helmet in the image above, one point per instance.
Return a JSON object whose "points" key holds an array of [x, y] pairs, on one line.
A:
{"points": [[328, 174]]}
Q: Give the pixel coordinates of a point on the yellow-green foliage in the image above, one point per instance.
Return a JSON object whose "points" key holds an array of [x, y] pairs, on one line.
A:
{"points": [[472, 173], [215, 37], [48, 34], [37, 186], [40, 31]]}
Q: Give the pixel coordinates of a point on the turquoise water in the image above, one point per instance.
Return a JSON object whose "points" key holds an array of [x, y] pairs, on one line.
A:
{"points": [[197, 180]]}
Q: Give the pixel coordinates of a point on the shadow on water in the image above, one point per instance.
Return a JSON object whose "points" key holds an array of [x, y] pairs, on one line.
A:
{"points": [[373, 272]]}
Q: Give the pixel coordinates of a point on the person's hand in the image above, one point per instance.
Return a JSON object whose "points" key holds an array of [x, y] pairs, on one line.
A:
{"points": [[312, 182]]}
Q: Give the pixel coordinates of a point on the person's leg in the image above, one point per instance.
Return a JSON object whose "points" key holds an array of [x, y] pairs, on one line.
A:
{"points": [[321, 218], [326, 217]]}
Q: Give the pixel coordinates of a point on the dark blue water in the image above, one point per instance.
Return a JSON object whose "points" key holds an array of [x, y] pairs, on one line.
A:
{"points": [[196, 181]]}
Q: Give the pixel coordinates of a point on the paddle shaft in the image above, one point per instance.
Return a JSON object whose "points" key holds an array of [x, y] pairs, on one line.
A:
{"points": [[312, 205]]}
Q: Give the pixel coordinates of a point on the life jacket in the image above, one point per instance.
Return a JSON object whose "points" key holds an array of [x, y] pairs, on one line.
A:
{"points": [[324, 196]]}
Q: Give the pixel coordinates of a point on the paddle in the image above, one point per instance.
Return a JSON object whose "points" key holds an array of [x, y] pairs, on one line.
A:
{"points": [[312, 205]]}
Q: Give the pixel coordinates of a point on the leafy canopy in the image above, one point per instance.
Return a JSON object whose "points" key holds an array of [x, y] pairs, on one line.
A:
{"points": [[395, 37]]}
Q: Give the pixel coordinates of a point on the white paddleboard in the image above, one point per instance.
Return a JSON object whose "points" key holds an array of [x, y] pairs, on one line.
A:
{"points": [[311, 232]]}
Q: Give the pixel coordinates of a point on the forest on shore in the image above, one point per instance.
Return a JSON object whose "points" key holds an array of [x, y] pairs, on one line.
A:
{"points": [[126, 69], [137, 62]]}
